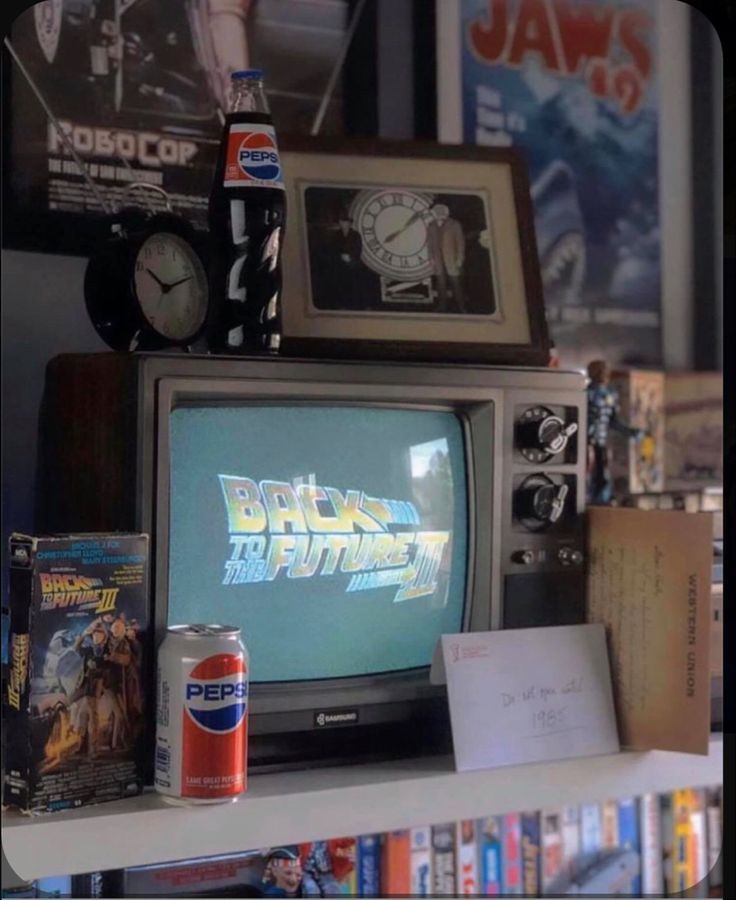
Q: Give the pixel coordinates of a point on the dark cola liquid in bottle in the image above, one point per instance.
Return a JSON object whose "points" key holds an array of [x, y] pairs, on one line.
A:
{"points": [[246, 221]]}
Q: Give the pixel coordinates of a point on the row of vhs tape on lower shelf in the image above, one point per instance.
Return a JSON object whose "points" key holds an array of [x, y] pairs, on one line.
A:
{"points": [[651, 845]]}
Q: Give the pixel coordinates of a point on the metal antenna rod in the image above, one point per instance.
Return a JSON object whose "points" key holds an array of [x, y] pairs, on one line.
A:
{"points": [[60, 131], [337, 68], [135, 184]]}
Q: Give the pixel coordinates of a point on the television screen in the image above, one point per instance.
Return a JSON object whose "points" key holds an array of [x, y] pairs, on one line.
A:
{"points": [[336, 537]]}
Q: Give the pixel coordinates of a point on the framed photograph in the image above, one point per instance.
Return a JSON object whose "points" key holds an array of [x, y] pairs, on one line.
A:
{"points": [[410, 251]]}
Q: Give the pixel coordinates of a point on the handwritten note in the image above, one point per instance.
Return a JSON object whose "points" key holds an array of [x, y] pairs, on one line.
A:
{"points": [[649, 584], [527, 695]]}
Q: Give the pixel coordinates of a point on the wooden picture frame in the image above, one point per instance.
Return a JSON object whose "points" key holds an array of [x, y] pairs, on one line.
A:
{"points": [[406, 250]]}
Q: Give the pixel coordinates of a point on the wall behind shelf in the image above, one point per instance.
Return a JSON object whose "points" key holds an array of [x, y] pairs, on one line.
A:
{"points": [[43, 314]]}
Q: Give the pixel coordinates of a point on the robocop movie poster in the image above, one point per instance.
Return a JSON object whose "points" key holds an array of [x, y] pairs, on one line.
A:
{"points": [[140, 88], [575, 86]]}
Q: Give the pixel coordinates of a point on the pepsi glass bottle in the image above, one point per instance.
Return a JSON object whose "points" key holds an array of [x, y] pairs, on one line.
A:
{"points": [[246, 220]]}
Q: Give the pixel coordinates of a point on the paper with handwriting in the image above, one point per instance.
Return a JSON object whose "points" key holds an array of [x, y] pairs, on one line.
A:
{"points": [[649, 584], [527, 695]]}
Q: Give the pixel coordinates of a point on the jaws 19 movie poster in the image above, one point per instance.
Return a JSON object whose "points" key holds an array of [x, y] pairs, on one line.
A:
{"points": [[574, 84]]}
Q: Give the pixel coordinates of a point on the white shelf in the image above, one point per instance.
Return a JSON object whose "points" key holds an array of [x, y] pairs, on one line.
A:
{"points": [[290, 807]]}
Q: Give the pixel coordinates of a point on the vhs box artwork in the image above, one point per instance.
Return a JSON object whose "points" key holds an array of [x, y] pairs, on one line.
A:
{"points": [[74, 703], [315, 869]]}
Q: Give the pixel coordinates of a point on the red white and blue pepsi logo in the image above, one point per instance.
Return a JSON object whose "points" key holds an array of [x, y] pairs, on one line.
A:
{"points": [[258, 157], [216, 693]]}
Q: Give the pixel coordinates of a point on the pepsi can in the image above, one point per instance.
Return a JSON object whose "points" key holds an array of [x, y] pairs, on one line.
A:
{"points": [[201, 715]]}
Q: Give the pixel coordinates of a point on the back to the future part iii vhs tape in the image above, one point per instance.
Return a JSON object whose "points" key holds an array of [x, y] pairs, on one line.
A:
{"points": [[79, 665]]}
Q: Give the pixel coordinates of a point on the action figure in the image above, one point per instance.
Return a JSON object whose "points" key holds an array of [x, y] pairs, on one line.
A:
{"points": [[603, 417]]}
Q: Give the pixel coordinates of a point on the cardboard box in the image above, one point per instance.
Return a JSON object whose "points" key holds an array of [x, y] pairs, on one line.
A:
{"points": [[693, 405], [637, 465], [74, 706]]}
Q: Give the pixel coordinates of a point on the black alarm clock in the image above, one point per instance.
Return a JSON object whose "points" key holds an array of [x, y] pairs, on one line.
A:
{"points": [[146, 286]]}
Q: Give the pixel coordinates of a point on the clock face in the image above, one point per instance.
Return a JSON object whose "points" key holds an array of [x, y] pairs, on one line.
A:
{"points": [[171, 286], [392, 224]]}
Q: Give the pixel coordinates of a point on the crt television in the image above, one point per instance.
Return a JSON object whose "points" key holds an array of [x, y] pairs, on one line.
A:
{"points": [[345, 515]]}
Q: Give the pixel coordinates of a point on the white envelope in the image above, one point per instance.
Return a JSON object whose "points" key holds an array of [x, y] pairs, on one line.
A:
{"points": [[527, 695]]}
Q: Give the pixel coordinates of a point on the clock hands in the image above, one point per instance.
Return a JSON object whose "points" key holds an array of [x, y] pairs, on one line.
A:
{"points": [[165, 288], [176, 284], [156, 278], [394, 234]]}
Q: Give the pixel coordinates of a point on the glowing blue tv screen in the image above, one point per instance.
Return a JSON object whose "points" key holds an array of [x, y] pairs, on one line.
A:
{"points": [[336, 537]]}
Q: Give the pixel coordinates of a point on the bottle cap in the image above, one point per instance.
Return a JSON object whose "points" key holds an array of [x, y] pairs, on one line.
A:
{"points": [[248, 74]]}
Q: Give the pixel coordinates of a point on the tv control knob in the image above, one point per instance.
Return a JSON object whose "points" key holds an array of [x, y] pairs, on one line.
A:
{"points": [[540, 502], [569, 557], [523, 557], [540, 434]]}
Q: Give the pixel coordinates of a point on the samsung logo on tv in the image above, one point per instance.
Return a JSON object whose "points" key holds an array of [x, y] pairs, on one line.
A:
{"points": [[326, 718]]}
